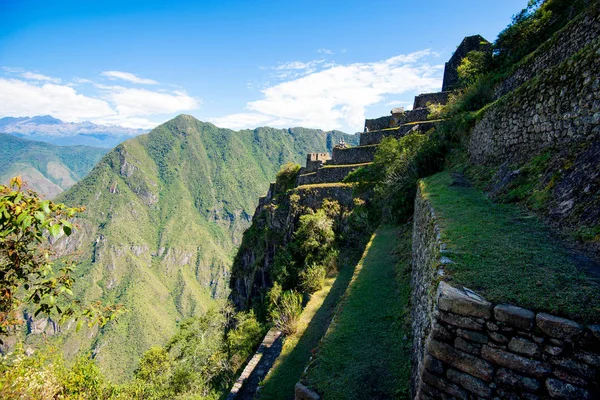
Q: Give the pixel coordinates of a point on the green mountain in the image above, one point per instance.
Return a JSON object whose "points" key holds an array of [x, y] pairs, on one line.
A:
{"points": [[46, 168], [165, 212]]}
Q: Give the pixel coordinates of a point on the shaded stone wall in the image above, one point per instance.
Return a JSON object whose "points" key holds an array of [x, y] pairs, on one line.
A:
{"points": [[433, 98], [579, 33], [470, 43], [378, 123], [314, 160], [418, 114], [468, 348], [325, 175], [426, 265], [370, 138], [353, 155], [560, 107]]}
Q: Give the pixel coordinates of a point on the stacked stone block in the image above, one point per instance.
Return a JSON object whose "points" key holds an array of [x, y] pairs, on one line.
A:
{"points": [[478, 350], [465, 347], [326, 175], [579, 33], [560, 107]]}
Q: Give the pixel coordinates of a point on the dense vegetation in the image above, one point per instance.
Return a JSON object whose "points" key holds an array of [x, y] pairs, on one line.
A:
{"points": [[45, 168], [164, 212]]}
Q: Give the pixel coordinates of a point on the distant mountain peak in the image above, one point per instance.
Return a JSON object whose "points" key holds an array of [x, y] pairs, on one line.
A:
{"points": [[48, 129]]}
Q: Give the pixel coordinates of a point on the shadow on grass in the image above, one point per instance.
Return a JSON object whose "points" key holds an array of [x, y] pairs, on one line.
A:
{"points": [[288, 369]]}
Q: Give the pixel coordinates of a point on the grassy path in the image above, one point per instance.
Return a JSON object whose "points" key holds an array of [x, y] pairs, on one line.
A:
{"points": [[297, 349], [507, 255], [366, 352]]}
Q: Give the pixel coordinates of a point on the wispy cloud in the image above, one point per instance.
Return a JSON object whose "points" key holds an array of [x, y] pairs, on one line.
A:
{"points": [[337, 96], [39, 77], [295, 69], [325, 51], [24, 93], [129, 77]]}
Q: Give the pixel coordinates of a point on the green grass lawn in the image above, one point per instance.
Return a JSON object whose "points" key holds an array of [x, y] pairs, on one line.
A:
{"points": [[297, 349], [507, 255], [366, 352]]}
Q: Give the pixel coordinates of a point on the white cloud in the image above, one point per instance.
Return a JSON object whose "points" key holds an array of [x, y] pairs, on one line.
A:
{"points": [[338, 96], [131, 102], [325, 51], [103, 104], [298, 65], [20, 98], [295, 69], [129, 77], [39, 77], [82, 80]]}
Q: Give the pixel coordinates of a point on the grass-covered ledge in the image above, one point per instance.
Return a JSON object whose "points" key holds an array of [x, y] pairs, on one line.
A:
{"points": [[507, 255]]}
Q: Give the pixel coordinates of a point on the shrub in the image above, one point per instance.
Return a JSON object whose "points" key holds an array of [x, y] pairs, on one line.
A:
{"points": [[532, 26], [315, 236], [312, 278], [286, 177], [244, 338], [473, 66], [285, 308]]}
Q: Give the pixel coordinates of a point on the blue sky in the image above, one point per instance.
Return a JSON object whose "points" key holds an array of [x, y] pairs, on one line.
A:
{"points": [[240, 64]]}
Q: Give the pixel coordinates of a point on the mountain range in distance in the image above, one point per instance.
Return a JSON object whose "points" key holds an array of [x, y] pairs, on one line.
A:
{"points": [[165, 212], [45, 168], [45, 128]]}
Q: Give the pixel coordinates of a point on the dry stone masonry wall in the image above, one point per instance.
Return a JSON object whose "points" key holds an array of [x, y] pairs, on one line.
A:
{"points": [[422, 100], [559, 107], [578, 34], [468, 348]]}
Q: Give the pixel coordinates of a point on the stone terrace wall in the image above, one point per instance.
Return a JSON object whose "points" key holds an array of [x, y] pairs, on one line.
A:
{"points": [[433, 98], [369, 138], [579, 33], [353, 155], [378, 123], [426, 262], [559, 107], [415, 115], [325, 175], [468, 348]]}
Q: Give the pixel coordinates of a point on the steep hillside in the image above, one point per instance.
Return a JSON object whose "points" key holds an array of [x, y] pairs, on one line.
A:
{"points": [[165, 212], [46, 168]]}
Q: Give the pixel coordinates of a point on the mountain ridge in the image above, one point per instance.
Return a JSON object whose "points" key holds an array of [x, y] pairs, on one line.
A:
{"points": [[48, 129], [45, 168], [165, 211]]}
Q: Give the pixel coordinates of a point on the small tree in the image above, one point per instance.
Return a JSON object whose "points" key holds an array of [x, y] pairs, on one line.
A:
{"points": [[27, 275], [473, 66]]}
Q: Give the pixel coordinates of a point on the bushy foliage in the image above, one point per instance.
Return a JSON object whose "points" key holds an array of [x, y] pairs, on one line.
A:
{"points": [[314, 236], [532, 26], [402, 162], [312, 278], [286, 177], [285, 307], [473, 66], [44, 375], [27, 272]]}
